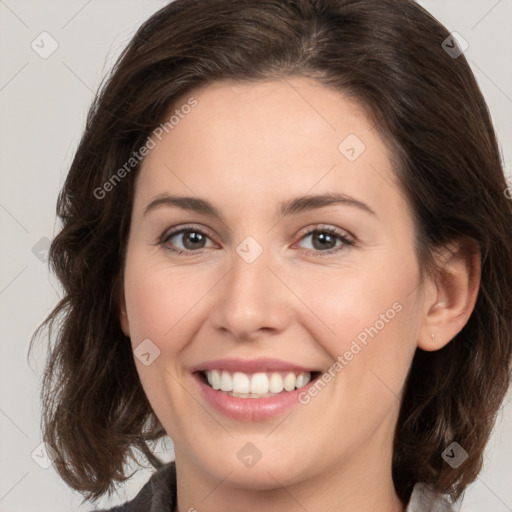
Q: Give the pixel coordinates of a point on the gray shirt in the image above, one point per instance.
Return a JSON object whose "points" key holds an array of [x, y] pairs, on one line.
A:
{"points": [[159, 495]]}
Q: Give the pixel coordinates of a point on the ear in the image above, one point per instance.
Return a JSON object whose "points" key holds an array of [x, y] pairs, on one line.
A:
{"points": [[123, 317], [451, 294]]}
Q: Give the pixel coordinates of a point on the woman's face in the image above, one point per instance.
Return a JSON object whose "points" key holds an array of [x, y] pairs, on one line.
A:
{"points": [[268, 276]]}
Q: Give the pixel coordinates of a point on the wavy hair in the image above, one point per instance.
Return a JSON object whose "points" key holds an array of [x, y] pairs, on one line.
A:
{"points": [[386, 55]]}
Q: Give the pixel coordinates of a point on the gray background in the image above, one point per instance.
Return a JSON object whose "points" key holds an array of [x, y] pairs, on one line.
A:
{"points": [[43, 104]]}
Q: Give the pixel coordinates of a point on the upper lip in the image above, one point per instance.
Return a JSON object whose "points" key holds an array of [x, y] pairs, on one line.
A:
{"points": [[262, 364]]}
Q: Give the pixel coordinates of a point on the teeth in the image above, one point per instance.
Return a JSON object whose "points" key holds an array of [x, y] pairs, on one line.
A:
{"points": [[289, 382], [275, 384], [257, 384], [226, 384], [240, 382]]}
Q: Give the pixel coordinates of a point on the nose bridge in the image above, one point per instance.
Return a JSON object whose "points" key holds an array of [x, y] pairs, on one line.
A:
{"points": [[250, 273], [251, 298]]}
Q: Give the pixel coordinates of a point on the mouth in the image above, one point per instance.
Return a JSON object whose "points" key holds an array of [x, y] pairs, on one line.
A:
{"points": [[256, 384]]}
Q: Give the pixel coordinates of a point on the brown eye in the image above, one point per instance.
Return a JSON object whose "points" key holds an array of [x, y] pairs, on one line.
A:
{"points": [[326, 241], [323, 240], [185, 240]]}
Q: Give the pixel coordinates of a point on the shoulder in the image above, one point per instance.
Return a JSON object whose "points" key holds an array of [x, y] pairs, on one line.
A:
{"points": [[425, 499], [157, 495]]}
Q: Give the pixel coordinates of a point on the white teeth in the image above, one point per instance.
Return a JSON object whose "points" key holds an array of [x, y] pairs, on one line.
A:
{"points": [[275, 384], [289, 382], [215, 379], [226, 383], [256, 384], [240, 382], [259, 383], [301, 380]]}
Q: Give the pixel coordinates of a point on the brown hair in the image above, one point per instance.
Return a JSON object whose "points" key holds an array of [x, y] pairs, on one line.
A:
{"points": [[387, 55]]}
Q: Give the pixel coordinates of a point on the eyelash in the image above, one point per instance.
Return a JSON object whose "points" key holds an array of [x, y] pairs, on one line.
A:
{"points": [[330, 230]]}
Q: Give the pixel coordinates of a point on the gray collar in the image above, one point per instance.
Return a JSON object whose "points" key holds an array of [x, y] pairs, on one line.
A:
{"points": [[424, 499]]}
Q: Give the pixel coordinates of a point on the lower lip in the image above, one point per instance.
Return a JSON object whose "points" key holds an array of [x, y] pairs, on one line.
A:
{"points": [[250, 409]]}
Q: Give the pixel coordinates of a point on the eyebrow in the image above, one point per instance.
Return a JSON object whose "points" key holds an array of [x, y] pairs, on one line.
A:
{"points": [[290, 207]]}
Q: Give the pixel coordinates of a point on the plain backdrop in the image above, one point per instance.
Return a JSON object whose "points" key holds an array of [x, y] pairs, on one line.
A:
{"points": [[43, 104]]}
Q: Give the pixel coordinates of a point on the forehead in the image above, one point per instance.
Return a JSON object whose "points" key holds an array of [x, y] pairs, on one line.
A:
{"points": [[269, 139]]}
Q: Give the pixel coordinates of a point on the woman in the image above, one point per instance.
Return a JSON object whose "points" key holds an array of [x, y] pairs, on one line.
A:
{"points": [[286, 245]]}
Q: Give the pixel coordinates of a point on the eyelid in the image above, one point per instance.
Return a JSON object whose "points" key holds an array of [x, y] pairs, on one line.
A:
{"points": [[346, 238], [185, 227], [326, 227]]}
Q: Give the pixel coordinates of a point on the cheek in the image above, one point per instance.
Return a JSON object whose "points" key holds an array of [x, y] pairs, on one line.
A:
{"points": [[366, 319], [150, 309], [159, 304], [347, 301], [158, 298]]}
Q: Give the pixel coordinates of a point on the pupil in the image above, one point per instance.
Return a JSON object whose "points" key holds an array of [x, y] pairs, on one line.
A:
{"points": [[322, 238], [195, 238]]}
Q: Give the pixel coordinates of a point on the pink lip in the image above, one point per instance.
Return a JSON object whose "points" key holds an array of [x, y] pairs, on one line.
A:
{"points": [[262, 364], [249, 409]]}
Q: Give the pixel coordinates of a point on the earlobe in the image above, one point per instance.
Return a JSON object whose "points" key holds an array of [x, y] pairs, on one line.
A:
{"points": [[120, 301], [455, 292], [123, 317], [123, 320]]}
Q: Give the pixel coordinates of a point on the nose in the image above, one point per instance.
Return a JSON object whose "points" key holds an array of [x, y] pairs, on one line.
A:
{"points": [[252, 299]]}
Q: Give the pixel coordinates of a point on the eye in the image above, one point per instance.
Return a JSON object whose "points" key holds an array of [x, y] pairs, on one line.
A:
{"points": [[191, 238], [323, 240]]}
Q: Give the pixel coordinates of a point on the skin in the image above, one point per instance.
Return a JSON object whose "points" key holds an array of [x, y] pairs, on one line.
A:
{"points": [[246, 148]]}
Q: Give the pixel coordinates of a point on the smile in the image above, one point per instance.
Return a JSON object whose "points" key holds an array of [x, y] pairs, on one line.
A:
{"points": [[256, 385]]}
